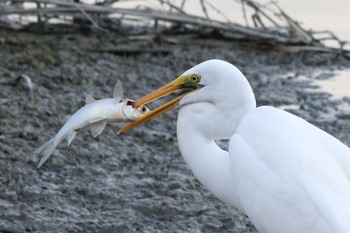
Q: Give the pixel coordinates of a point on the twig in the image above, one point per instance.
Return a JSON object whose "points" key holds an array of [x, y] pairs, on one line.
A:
{"points": [[156, 15], [244, 13], [257, 20], [38, 15], [219, 12], [172, 6], [296, 27], [89, 18], [298, 48], [331, 36], [126, 51], [204, 9], [182, 4], [259, 10], [177, 15]]}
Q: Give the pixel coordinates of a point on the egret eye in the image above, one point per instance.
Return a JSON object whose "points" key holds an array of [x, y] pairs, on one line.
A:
{"points": [[194, 78]]}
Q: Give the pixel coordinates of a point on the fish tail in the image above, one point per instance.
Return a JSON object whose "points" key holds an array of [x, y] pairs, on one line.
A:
{"points": [[46, 150]]}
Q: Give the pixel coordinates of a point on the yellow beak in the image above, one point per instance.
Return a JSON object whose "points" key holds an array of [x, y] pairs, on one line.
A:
{"points": [[188, 82]]}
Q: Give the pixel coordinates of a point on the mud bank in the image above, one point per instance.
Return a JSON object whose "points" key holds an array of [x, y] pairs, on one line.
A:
{"points": [[138, 181]]}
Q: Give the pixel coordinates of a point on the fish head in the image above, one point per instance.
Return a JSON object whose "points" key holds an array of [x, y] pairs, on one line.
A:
{"points": [[132, 113]]}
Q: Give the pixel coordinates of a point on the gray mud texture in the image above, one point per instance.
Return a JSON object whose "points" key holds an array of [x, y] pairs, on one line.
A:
{"points": [[137, 181]]}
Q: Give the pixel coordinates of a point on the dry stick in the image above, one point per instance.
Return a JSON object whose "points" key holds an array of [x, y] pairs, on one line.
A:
{"points": [[89, 18], [7, 23], [65, 3], [244, 13], [129, 51], [257, 20], [180, 18], [38, 15], [45, 16], [259, 10], [331, 35], [204, 9], [183, 18], [296, 27], [297, 48], [152, 14], [182, 4], [308, 35], [172, 6], [219, 12]]}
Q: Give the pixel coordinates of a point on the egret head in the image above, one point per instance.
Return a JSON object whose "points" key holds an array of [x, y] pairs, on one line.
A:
{"points": [[214, 81]]}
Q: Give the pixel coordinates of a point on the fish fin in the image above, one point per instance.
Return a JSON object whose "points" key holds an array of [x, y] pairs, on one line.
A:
{"points": [[97, 129], [118, 91], [97, 120], [46, 150], [89, 99], [70, 136]]}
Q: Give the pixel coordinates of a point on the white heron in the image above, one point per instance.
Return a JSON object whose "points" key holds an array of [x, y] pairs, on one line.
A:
{"points": [[287, 175]]}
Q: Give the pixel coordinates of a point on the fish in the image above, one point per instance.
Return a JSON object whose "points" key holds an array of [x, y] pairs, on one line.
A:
{"points": [[96, 114]]}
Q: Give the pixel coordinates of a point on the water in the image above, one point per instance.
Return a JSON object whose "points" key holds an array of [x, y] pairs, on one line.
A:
{"points": [[335, 83], [338, 86]]}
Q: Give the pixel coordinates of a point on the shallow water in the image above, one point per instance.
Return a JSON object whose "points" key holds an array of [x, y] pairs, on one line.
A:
{"points": [[338, 86]]}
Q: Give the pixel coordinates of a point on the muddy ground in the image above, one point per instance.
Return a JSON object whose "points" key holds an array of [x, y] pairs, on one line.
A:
{"points": [[138, 181]]}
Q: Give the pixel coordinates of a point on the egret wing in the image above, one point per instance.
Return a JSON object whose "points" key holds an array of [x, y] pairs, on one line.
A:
{"points": [[286, 177], [339, 151]]}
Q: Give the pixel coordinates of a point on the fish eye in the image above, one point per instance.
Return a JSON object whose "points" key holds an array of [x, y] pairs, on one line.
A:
{"points": [[194, 78], [143, 109]]}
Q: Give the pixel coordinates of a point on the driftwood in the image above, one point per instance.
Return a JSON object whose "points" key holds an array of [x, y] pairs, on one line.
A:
{"points": [[288, 32], [129, 51]]}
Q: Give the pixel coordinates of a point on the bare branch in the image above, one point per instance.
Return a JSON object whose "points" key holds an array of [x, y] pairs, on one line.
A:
{"points": [[272, 24]]}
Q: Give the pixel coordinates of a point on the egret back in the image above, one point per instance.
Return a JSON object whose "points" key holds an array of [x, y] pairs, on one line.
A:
{"points": [[283, 168]]}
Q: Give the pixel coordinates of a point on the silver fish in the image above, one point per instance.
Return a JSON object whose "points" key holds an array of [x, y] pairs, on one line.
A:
{"points": [[96, 114]]}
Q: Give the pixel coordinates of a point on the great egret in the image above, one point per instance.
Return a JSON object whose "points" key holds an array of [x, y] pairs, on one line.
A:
{"points": [[287, 175]]}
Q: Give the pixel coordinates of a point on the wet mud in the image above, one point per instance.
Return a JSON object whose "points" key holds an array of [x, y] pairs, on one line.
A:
{"points": [[137, 181]]}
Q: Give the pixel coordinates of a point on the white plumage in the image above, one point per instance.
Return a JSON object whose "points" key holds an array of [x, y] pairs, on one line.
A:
{"points": [[287, 175]]}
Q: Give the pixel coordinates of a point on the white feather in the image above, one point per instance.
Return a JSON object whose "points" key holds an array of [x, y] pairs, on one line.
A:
{"points": [[284, 173]]}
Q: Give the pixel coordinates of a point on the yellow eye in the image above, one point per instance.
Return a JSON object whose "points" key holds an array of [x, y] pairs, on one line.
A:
{"points": [[194, 78]]}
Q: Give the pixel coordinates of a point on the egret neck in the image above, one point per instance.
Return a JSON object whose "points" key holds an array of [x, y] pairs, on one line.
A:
{"points": [[208, 162]]}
